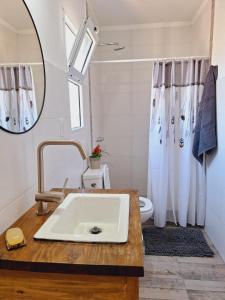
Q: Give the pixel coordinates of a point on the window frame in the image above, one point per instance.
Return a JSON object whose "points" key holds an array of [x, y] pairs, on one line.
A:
{"points": [[71, 27], [73, 75], [89, 28], [80, 95], [68, 24]]}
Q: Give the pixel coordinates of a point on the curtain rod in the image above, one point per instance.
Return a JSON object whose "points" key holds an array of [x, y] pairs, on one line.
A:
{"points": [[147, 59], [22, 64]]}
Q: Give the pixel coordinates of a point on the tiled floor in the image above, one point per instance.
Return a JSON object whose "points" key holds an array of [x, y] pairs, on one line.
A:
{"points": [[183, 278]]}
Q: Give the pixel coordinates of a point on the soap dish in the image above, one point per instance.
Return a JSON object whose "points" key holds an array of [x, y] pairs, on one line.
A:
{"points": [[14, 238]]}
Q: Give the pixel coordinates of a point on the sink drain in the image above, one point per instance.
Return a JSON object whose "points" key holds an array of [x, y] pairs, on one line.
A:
{"points": [[95, 230]]}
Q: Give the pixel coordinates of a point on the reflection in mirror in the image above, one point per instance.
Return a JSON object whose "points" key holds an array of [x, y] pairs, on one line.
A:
{"points": [[22, 74]]}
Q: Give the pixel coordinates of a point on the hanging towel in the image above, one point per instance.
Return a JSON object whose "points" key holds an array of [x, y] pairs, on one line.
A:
{"points": [[205, 138], [106, 179]]}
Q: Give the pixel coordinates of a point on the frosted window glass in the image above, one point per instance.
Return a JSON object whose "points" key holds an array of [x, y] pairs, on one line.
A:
{"points": [[83, 54], [75, 111]]}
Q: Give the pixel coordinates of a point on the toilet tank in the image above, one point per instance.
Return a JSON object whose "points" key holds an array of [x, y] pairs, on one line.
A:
{"points": [[93, 178]]}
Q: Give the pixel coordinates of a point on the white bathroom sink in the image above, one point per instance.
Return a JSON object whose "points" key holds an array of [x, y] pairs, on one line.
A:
{"points": [[98, 218]]}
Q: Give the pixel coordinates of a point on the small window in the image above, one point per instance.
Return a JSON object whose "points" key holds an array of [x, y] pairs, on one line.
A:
{"points": [[82, 56], [79, 49], [75, 105], [82, 51]]}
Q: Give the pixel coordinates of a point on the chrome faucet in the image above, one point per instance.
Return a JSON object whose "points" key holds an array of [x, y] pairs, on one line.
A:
{"points": [[41, 196]]}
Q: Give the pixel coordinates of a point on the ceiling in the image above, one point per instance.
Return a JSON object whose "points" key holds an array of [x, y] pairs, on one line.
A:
{"points": [[131, 12], [14, 13]]}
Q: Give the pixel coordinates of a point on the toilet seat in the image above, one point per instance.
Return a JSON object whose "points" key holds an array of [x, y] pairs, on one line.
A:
{"points": [[147, 205]]}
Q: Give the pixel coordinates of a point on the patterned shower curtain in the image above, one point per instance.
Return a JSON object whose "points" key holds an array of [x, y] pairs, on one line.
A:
{"points": [[176, 182], [18, 111]]}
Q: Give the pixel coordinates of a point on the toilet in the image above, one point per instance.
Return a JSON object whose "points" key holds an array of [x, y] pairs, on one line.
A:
{"points": [[146, 209], [99, 179]]}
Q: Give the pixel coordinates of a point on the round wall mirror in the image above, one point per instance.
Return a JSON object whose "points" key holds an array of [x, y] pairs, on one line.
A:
{"points": [[22, 70]]}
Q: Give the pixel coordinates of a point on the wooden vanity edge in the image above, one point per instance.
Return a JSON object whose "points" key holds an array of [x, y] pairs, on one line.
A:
{"points": [[106, 270]]}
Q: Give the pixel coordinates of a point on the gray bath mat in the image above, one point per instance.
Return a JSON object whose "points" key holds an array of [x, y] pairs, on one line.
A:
{"points": [[175, 242]]}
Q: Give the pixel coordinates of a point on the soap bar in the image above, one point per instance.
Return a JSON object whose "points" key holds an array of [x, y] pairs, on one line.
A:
{"points": [[14, 238]]}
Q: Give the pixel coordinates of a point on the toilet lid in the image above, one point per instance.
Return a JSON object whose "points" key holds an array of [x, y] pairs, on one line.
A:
{"points": [[145, 204]]}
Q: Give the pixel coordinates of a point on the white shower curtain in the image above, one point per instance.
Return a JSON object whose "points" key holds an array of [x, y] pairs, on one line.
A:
{"points": [[176, 181], [18, 111]]}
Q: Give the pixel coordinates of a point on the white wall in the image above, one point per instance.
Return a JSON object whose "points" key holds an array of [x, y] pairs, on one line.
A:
{"points": [[28, 51], [201, 28], [75, 11], [121, 93], [215, 212], [8, 43], [18, 152]]}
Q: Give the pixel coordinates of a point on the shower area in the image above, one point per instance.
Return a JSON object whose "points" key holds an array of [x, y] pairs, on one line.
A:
{"points": [[121, 90]]}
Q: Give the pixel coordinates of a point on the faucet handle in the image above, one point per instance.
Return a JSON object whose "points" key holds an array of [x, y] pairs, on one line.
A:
{"points": [[64, 185]]}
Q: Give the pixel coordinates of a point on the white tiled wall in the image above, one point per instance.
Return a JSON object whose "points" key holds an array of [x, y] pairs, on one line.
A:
{"points": [[123, 111], [55, 120], [215, 211]]}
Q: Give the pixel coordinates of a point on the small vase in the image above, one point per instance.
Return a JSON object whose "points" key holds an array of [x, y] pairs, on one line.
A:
{"points": [[95, 163]]}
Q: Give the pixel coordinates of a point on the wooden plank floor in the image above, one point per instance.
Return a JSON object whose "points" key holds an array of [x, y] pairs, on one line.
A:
{"points": [[183, 278]]}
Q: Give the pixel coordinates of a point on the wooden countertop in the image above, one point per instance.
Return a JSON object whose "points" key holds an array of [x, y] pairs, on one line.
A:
{"points": [[76, 258]]}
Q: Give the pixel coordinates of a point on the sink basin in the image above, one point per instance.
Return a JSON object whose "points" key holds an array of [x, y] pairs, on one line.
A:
{"points": [[98, 218]]}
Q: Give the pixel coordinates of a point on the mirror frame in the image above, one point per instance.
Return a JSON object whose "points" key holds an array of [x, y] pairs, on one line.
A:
{"points": [[44, 74]]}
